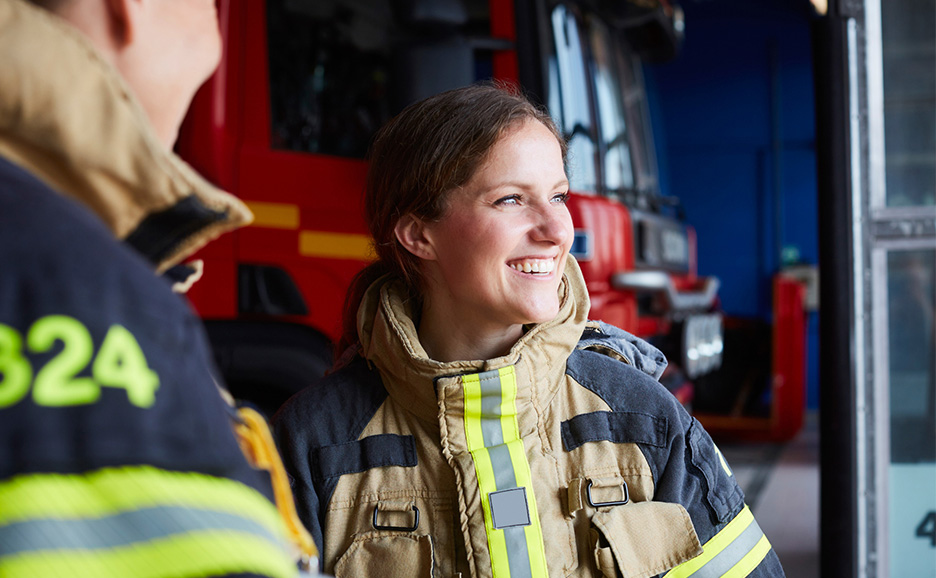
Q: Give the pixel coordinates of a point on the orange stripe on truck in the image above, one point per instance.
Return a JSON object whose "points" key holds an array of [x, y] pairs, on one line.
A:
{"points": [[274, 215], [336, 245]]}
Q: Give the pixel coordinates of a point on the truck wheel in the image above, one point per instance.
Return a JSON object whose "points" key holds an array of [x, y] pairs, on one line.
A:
{"points": [[265, 363]]}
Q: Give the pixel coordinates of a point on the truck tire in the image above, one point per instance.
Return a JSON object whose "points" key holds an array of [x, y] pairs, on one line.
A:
{"points": [[264, 363]]}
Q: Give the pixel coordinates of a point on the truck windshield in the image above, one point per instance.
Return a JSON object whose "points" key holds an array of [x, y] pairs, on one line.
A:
{"points": [[569, 102], [339, 70], [618, 170], [596, 94]]}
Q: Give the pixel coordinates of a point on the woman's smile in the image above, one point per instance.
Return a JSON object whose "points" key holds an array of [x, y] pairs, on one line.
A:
{"points": [[536, 267]]}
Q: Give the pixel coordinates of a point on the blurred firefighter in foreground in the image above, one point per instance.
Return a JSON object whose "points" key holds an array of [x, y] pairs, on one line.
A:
{"points": [[118, 455]]}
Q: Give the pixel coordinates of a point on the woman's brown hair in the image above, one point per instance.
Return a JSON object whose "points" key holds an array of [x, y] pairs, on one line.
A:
{"points": [[431, 148]]}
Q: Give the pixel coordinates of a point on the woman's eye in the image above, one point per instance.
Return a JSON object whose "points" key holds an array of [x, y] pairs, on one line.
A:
{"points": [[508, 200], [562, 198]]}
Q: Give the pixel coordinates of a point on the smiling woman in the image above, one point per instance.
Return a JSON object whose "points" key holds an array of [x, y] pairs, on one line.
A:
{"points": [[492, 263], [455, 196], [476, 415]]}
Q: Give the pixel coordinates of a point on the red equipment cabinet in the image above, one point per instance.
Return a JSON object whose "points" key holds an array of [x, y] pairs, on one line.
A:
{"points": [[302, 86]]}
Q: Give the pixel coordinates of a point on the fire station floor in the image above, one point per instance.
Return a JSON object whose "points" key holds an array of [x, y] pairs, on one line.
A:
{"points": [[781, 484]]}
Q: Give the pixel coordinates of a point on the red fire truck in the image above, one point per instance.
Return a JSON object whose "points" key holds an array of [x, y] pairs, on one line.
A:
{"points": [[286, 121]]}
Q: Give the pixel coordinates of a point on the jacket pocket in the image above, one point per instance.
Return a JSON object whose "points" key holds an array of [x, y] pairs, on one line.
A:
{"points": [[642, 539], [379, 555]]}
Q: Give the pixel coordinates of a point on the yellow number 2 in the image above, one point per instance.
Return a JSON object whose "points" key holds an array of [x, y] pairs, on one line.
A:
{"points": [[56, 384]]}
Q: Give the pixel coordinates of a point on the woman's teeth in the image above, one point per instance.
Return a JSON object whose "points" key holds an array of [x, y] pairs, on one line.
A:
{"points": [[537, 266]]}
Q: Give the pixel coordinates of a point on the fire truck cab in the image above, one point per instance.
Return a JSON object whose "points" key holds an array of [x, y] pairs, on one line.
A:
{"points": [[286, 122]]}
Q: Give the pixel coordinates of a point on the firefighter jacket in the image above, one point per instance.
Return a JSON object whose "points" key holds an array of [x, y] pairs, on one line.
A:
{"points": [[117, 455], [565, 457]]}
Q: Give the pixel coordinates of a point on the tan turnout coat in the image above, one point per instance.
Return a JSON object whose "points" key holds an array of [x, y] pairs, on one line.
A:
{"points": [[566, 456]]}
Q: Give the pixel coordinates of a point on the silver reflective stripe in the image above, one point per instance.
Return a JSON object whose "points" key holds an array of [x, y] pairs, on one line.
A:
{"points": [[732, 553], [121, 529], [501, 463], [517, 552], [491, 400], [504, 476]]}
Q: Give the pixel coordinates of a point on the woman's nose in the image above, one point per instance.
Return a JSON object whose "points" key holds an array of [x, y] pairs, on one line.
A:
{"points": [[553, 225]]}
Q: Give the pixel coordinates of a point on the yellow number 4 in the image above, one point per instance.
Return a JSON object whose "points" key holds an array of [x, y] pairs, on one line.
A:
{"points": [[120, 363]]}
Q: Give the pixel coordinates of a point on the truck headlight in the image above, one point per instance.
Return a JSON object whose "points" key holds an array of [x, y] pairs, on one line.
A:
{"points": [[703, 344]]}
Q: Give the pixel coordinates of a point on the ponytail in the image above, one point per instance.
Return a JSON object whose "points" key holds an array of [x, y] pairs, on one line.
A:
{"points": [[359, 285]]}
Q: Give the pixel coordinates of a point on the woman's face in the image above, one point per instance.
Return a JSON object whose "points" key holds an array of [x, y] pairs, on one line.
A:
{"points": [[501, 247]]}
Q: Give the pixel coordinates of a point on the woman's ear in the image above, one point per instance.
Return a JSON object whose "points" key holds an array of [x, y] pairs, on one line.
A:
{"points": [[410, 231], [122, 20]]}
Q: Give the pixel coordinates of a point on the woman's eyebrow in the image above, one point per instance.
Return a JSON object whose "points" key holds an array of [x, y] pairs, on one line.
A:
{"points": [[523, 185]]}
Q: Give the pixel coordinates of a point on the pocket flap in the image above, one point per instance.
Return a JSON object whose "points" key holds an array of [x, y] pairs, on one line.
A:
{"points": [[648, 538], [375, 555]]}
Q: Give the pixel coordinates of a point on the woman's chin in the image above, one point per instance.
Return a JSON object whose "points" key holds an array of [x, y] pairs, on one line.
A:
{"points": [[542, 314]]}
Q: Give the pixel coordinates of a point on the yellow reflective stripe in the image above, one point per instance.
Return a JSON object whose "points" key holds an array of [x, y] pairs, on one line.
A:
{"points": [[336, 245], [472, 386], [751, 560], [274, 215], [497, 543], [191, 555], [534, 533], [510, 432], [509, 425], [715, 545], [113, 490], [724, 464], [485, 472]]}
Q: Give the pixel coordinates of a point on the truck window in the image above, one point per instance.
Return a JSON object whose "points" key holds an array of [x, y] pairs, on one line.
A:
{"points": [[328, 74], [568, 99], [637, 111], [626, 154], [340, 70], [617, 168]]}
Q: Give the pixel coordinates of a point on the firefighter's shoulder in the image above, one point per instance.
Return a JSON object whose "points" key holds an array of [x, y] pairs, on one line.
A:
{"points": [[624, 371], [624, 346], [117, 451], [333, 409]]}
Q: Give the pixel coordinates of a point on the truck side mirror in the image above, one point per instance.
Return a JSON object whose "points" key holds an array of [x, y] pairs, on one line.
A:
{"points": [[654, 30], [432, 55], [425, 67]]}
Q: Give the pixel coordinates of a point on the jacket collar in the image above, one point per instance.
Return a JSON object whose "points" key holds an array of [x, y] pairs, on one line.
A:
{"points": [[389, 341], [67, 116]]}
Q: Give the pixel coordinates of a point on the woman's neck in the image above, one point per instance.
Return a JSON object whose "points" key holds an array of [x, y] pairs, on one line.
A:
{"points": [[445, 338]]}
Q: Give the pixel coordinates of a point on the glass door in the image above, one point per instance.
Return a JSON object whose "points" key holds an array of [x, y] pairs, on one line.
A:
{"points": [[876, 145], [881, 419], [901, 38]]}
